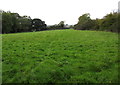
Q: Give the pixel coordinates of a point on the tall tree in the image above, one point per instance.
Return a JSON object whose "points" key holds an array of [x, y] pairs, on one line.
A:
{"points": [[61, 24], [110, 22], [38, 24], [6, 22], [84, 23]]}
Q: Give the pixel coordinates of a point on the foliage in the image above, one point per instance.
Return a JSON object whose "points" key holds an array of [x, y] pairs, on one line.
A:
{"points": [[38, 24], [61, 25], [84, 23], [7, 22], [60, 56], [13, 22], [110, 22]]}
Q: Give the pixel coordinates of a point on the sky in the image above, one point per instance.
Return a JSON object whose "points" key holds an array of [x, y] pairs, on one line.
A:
{"points": [[54, 11]]}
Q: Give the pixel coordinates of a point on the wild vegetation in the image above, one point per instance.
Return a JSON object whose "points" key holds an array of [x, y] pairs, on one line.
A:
{"points": [[110, 22], [13, 23], [60, 56]]}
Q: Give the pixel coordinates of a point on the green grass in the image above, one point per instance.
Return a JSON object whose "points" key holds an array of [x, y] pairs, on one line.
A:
{"points": [[60, 56]]}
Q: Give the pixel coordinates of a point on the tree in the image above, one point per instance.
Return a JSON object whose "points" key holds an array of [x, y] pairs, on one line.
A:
{"points": [[95, 24], [13, 22], [6, 22], [84, 23], [110, 22], [61, 24], [24, 24], [38, 24], [15, 17]]}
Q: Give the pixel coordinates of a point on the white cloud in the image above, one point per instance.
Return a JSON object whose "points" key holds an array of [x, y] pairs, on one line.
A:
{"points": [[54, 11]]}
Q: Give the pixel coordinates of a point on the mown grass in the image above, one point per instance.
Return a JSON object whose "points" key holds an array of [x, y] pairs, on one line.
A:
{"points": [[60, 56]]}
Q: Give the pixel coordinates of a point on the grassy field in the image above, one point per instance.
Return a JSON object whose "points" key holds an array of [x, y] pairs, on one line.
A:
{"points": [[60, 56]]}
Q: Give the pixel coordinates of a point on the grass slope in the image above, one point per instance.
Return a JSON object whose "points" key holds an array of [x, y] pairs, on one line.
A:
{"points": [[60, 56]]}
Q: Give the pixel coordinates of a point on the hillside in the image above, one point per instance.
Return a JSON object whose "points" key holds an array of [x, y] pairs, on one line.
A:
{"points": [[60, 56]]}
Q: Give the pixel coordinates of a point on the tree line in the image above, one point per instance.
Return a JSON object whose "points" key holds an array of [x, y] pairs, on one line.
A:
{"points": [[110, 22], [13, 23], [60, 25]]}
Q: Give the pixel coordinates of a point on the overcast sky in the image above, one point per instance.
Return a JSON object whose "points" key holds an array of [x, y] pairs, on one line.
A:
{"points": [[54, 11]]}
